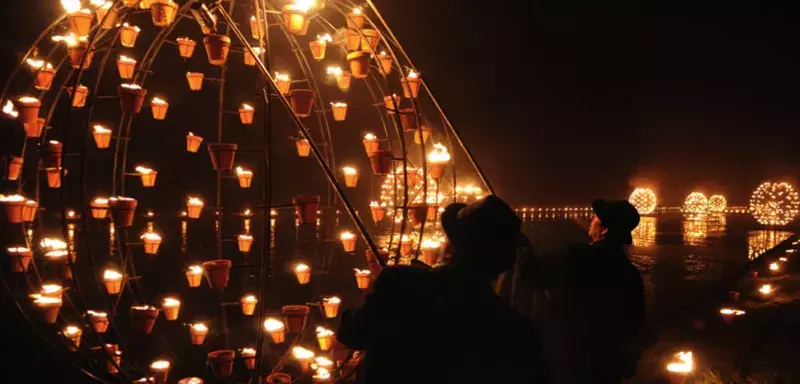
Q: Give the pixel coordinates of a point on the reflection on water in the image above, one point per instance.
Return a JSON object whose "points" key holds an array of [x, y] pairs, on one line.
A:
{"points": [[763, 240], [644, 236], [695, 232]]}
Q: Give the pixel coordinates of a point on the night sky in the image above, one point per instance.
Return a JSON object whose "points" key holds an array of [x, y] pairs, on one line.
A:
{"points": [[565, 101]]}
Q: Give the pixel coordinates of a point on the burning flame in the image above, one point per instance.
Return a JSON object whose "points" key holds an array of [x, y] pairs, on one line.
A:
{"points": [[126, 59], [195, 270], [151, 237], [71, 330], [301, 353], [111, 275], [96, 314], [171, 302], [245, 236], [71, 6], [322, 373], [357, 11], [334, 71], [28, 100], [49, 289], [282, 77], [243, 172], [304, 5], [339, 104], [369, 136], [302, 268], [45, 300], [158, 101], [765, 289], [38, 64], [374, 204], [247, 107], [273, 325], [361, 272], [71, 40], [131, 86], [135, 28], [347, 235], [324, 332], [250, 299], [774, 267], [332, 300], [326, 38], [160, 365], [9, 110], [323, 361], [248, 352], [439, 155], [195, 201], [350, 171], [431, 244], [412, 75], [684, 365], [199, 327], [143, 170], [100, 201], [51, 244], [101, 129]]}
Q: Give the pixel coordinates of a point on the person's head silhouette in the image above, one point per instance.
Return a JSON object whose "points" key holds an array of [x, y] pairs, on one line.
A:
{"points": [[613, 221]]}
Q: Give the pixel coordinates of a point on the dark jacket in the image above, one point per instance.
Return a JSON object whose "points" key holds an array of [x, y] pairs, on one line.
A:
{"points": [[438, 325], [589, 307]]}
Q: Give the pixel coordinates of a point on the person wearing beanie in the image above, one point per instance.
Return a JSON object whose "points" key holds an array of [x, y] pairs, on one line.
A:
{"points": [[589, 301], [446, 324]]}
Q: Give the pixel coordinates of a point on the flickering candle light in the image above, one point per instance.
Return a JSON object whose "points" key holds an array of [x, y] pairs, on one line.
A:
{"points": [[160, 369], [159, 108], [324, 338], [411, 84], [126, 67], [128, 35], [348, 240], [151, 242], [162, 12], [321, 375], [193, 142], [102, 136], [729, 314], [319, 46], [80, 20], [246, 113], [186, 47], [437, 159], [378, 211], [147, 175], [370, 143], [766, 289], [421, 135], [276, 330], [245, 177], [99, 207], [113, 281], [303, 273], [14, 205], [430, 251], [362, 278], [49, 307], [359, 64], [248, 304], [245, 242], [53, 177], [303, 356], [194, 206], [73, 333], [350, 177], [343, 78], [99, 320], [144, 318], [195, 80], [249, 357], [198, 332], [339, 110], [171, 307], [43, 72], [681, 366], [283, 82], [330, 306], [774, 267], [194, 275], [303, 147]]}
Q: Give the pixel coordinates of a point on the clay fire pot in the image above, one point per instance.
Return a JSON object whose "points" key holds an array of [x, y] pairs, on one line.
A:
{"points": [[302, 101], [159, 110], [359, 64], [303, 147], [370, 145], [417, 211], [249, 59], [349, 245], [378, 213], [430, 256], [331, 310], [386, 63], [371, 40], [351, 181], [408, 119], [34, 129], [79, 100], [355, 20], [76, 55], [295, 19], [343, 81], [29, 110], [198, 336], [218, 273], [296, 316], [122, 211], [422, 138], [372, 261], [317, 50], [128, 35], [222, 155], [325, 342], [50, 311], [186, 47], [381, 161], [14, 168], [102, 139], [391, 103], [54, 177], [278, 378], [411, 86], [14, 211], [339, 112], [20, 258], [412, 177], [217, 48], [677, 378], [144, 319], [110, 21], [245, 244], [193, 143], [29, 211], [249, 362], [195, 80], [436, 171], [306, 208], [52, 156], [99, 323], [246, 115], [131, 100], [44, 78], [352, 40], [248, 307], [80, 23], [99, 211], [163, 12], [221, 363]]}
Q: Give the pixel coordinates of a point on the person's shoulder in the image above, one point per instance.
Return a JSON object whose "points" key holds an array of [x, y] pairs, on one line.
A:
{"points": [[403, 272]]}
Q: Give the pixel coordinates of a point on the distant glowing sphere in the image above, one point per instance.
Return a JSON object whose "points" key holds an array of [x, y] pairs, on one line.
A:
{"points": [[696, 204], [774, 203], [644, 200], [717, 204]]}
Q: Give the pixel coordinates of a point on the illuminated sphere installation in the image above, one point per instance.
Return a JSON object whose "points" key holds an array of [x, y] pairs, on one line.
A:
{"points": [[644, 200], [717, 204], [696, 204], [774, 203]]}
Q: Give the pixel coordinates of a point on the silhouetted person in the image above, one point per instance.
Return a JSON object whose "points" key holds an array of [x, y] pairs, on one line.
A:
{"points": [[446, 324], [590, 301]]}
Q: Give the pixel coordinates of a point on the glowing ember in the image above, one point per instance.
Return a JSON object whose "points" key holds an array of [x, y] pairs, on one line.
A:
{"points": [[9, 110], [774, 203], [765, 289], [158, 101], [644, 200], [684, 363], [349, 171], [131, 86], [273, 325], [250, 299], [171, 302], [101, 129], [160, 365], [439, 155], [302, 268], [430, 244], [111, 275], [302, 354]]}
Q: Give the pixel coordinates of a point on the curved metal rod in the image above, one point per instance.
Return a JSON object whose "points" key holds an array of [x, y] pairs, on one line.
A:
{"points": [[34, 47]]}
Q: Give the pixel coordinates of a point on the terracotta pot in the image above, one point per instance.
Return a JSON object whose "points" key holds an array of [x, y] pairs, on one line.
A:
{"points": [[194, 211], [99, 323], [677, 378], [20, 258], [29, 211], [222, 155], [317, 49], [433, 210], [406, 247], [193, 143], [113, 287], [331, 310], [54, 177], [391, 103], [218, 273], [159, 110], [352, 40], [359, 64], [355, 20], [79, 99], [249, 362], [325, 342], [246, 115], [295, 19], [283, 86], [76, 55], [171, 313], [378, 213], [423, 138], [303, 147], [44, 79], [131, 100], [99, 211], [128, 35], [302, 101], [50, 312], [248, 307], [151, 247], [351, 181], [408, 119], [412, 177], [296, 316], [343, 81], [29, 110], [349, 245], [303, 277], [256, 30], [430, 256], [381, 161], [217, 48], [102, 139], [195, 80], [221, 363], [52, 155], [194, 280], [371, 40], [122, 211], [14, 168], [144, 319], [279, 378], [417, 212], [386, 63], [362, 281], [245, 243], [163, 12], [436, 171], [34, 129], [80, 23], [411, 86], [110, 21], [278, 337], [149, 179], [186, 47], [339, 112], [306, 208]]}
